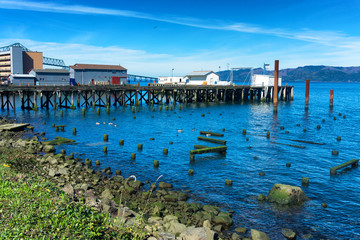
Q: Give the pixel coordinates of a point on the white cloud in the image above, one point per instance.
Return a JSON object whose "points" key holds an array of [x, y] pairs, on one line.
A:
{"points": [[327, 38]]}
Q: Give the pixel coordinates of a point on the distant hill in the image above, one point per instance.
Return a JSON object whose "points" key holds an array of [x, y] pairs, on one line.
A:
{"points": [[314, 73]]}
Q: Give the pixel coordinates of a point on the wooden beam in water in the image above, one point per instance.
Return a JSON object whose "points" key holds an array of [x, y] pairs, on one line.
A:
{"points": [[208, 150], [212, 140], [353, 163], [303, 141], [200, 146], [211, 133], [291, 145]]}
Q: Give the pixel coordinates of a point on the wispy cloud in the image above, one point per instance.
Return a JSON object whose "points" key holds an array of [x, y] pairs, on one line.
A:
{"points": [[326, 38]]}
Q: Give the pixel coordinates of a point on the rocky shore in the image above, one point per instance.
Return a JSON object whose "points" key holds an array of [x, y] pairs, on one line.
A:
{"points": [[153, 208]]}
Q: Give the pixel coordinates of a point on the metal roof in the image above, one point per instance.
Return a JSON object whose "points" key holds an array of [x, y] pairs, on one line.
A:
{"points": [[200, 73], [23, 75], [50, 71], [97, 67]]}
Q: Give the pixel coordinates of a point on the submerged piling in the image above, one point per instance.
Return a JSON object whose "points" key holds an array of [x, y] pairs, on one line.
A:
{"points": [[140, 146], [307, 91], [74, 131], [106, 137], [121, 142], [331, 98], [156, 163]]}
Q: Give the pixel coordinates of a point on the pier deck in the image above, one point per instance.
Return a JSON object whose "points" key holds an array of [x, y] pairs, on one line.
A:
{"points": [[107, 95]]}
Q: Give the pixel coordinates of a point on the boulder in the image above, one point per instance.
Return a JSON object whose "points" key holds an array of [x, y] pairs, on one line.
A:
{"points": [[107, 194], [49, 149], [288, 233], [201, 233], [68, 188], [174, 227], [223, 219], [258, 235], [212, 209], [163, 185], [286, 195]]}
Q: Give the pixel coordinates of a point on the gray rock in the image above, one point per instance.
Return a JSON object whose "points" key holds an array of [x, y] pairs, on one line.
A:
{"points": [[235, 236], [91, 201], [163, 185], [192, 233], [49, 149], [68, 188], [63, 171], [170, 218], [166, 236], [288, 233], [52, 172], [212, 209], [207, 224], [107, 194], [241, 230], [258, 235], [174, 227], [223, 219]]}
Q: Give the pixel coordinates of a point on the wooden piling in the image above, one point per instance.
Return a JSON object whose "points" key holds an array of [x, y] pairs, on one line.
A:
{"points": [[133, 156], [106, 137], [165, 151], [98, 111], [276, 85], [74, 131], [307, 91], [156, 163], [331, 98], [105, 149], [244, 131], [140, 146], [121, 142]]}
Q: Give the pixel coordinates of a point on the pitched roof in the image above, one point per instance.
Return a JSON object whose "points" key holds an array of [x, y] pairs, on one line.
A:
{"points": [[97, 67], [50, 70], [200, 73]]}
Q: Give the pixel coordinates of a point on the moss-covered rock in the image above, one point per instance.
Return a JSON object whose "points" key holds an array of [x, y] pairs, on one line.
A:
{"points": [[286, 195], [59, 141]]}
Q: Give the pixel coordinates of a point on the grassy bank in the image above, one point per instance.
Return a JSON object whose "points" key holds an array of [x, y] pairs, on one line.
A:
{"points": [[33, 208]]}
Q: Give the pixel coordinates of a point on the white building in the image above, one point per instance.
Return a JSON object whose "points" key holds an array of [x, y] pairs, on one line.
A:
{"points": [[263, 80], [204, 78], [171, 80]]}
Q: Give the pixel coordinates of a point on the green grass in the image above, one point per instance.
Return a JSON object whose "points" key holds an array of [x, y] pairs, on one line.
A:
{"points": [[33, 208]]}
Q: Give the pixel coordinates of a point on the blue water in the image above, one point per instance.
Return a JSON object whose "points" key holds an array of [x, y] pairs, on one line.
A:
{"points": [[341, 192]]}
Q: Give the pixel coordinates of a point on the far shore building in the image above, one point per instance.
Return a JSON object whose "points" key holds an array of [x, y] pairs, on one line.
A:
{"points": [[204, 78], [98, 74]]}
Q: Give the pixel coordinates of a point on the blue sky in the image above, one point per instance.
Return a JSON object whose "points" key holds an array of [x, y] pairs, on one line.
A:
{"points": [[153, 37]]}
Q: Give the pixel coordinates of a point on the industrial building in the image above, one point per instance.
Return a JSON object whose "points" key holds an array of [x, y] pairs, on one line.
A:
{"points": [[171, 80], [51, 77], [17, 61], [98, 74]]}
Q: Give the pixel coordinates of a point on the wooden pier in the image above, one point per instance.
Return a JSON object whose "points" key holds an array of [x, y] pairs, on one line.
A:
{"points": [[47, 97]]}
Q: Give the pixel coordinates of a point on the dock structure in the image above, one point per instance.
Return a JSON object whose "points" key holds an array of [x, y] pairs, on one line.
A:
{"points": [[47, 97], [353, 163]]}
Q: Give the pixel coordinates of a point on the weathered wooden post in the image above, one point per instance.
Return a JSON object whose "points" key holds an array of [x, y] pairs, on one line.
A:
{"points": [[74, 131], [276, 85], [121, 142], [331, 98], [140, 146], [106, 137], [307, 90]]}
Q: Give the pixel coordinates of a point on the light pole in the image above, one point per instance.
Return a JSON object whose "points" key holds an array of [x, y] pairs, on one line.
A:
{"points": [[172, 72]]}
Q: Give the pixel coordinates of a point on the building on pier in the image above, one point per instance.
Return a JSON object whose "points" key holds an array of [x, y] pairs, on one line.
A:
{"points": [[96, 74], [51, 77], [22, 80], [171, 80], [204, 78]]}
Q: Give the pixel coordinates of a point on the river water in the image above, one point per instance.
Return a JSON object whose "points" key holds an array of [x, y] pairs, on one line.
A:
{"points": [[244, 159]]}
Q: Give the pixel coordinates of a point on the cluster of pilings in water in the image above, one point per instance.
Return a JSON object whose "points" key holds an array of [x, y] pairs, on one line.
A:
{"points": [[32, 97]]}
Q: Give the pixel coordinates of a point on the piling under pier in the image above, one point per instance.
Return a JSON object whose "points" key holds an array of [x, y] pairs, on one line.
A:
{"points": [[121, 95]]}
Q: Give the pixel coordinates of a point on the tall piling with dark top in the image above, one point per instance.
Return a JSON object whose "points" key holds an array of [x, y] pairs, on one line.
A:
{"points": [[276, 85], [331, 98], [307, 91]]}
